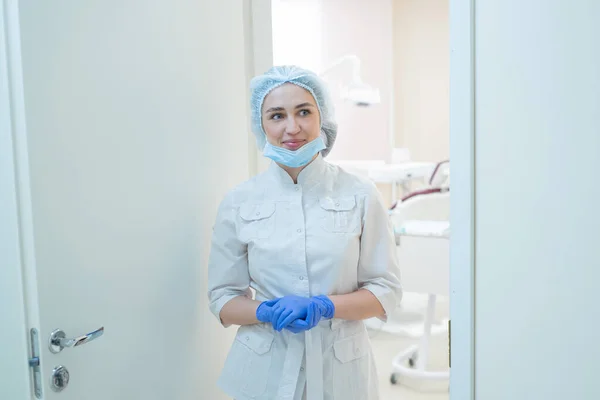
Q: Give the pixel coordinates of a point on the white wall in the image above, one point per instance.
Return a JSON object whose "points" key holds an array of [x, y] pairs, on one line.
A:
{"points": [[297, 33], [421, 78], [404, 48], [318, 33], [537, 253], [363, 28]]}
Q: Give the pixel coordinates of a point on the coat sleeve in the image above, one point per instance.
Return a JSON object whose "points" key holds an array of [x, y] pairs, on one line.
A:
{"points": [[228, 274], [378, 269]]}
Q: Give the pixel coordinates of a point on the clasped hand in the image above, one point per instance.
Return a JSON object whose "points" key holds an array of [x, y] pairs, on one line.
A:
{"points": [[295, 313]]}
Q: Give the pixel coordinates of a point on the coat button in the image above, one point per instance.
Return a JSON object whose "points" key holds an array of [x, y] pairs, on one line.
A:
{"points": [[257, 214], [247, 338], [299, 231], [337, 204], [301, 278]]}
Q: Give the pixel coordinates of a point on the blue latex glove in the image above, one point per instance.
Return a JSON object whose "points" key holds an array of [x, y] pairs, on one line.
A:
{"points": [[326, 307], [312, 319], [288, 309], [299, 314], [264, 312]]}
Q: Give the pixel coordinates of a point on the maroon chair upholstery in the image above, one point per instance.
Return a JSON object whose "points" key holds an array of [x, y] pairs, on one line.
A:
{"points": [[432, 179]]}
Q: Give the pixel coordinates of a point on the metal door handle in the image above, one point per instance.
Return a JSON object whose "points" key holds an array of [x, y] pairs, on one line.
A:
{"points": [[58, 339]]}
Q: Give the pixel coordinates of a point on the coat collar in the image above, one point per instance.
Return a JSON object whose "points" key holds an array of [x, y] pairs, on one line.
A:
{"points": [[311, 175]]}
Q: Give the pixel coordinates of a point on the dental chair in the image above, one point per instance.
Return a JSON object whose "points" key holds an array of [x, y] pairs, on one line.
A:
{"points": [[421, 224], [438, 182]]}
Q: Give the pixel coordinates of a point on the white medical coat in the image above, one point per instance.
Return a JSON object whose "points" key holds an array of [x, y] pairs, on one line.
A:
{"points": [[329, 234]]}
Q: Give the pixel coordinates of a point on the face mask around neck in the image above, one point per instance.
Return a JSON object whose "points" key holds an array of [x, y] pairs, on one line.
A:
{"points": [[297, 158]]}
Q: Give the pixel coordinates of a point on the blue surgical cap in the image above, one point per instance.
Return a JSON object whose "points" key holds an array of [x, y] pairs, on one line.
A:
{"points": [[262, 85]]}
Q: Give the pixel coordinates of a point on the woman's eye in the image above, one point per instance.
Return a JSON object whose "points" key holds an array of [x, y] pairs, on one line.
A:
{"points": [[276, 116], [304, 112]]}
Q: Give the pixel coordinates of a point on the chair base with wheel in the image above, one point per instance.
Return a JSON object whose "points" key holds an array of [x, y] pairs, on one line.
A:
{"points": [[412, 362]]}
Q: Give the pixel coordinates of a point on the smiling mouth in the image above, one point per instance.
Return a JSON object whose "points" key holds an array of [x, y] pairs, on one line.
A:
{"points": [[294, 141], [293, 144]]}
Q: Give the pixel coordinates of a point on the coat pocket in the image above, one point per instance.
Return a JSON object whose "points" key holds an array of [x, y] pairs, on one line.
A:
{"points": [[257, 220], [351, 348], [351, 367], [247, 366], [339, 214]]}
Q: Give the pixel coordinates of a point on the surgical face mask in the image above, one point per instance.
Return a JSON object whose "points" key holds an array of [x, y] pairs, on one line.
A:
{"points": [[296, 158]]}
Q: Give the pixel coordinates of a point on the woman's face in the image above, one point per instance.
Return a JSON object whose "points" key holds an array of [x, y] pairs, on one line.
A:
{"points": [[290, 117]]}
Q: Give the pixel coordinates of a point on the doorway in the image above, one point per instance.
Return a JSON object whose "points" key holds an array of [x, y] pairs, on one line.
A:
{"points": [[400, 49]]}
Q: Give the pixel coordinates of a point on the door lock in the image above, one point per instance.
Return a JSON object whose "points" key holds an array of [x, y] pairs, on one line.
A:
{"points": [[60, 378]]}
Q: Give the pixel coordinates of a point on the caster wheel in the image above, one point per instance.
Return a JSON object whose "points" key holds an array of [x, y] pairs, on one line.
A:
{"points": [[412, 361], [394, 379]]}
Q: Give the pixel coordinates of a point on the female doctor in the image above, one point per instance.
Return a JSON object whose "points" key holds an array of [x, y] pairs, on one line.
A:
{"points": [[316, 245]]}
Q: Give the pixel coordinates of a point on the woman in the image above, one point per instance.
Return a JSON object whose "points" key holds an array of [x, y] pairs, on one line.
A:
{"points": [[314, 242]]}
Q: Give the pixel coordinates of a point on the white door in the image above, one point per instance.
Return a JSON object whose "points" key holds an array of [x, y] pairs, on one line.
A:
{"points": [[537, 142], [135, 120]]}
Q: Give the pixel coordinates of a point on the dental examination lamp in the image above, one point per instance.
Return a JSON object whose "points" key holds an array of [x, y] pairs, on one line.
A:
{"points": [[357, 92]]}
